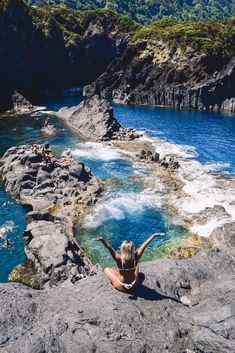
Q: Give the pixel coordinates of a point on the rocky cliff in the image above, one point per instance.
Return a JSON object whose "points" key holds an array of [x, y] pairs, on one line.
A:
{"points": [[181, 306], [159, 69], [94, 119], [53, 48]]}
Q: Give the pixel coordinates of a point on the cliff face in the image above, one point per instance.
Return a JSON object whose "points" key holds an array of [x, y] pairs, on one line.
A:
{"points": [[49, 49], [153, 75]]}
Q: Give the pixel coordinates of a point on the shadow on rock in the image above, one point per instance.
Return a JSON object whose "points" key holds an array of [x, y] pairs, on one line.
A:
{"points": [[148, 293]]}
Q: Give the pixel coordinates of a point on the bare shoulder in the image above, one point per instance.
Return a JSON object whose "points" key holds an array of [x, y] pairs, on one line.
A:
{"points": [[118, 256]]}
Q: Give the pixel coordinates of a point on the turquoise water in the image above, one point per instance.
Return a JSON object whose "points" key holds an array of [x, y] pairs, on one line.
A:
{"points": [[128, 210]]}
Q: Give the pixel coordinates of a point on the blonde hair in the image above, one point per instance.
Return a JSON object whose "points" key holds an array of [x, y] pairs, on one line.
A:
{"points": [[127, 251]]}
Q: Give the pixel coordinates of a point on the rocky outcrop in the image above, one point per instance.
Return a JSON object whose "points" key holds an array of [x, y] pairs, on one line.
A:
{"points": [[21, 104], [94, 119], [52, 190], [148, 153], [181, 306], [147, 75]]}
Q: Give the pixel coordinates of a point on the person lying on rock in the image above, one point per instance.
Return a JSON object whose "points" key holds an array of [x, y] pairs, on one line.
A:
{"points": [[126, 278], [65, 161]]}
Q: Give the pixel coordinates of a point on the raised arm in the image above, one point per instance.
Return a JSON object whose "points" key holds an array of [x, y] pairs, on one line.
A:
{"points": [[141, 249], [113, 253]]}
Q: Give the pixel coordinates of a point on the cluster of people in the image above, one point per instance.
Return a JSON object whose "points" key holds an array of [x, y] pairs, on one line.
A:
{"points": [[47, 155], [45, 152]]}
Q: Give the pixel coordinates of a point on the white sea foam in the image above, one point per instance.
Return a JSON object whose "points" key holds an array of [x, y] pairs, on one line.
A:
{"points": [[166, 148], [202, 187], [97, 151], [205, 230], [42, 108], [118, 206], [6, 228]]}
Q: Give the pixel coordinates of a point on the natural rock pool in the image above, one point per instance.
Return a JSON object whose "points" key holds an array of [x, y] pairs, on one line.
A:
{"points": [[129, 209]]}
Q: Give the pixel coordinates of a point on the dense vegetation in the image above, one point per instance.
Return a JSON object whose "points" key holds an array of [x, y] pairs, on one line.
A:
{"points": [[214, 38], [146, 10], [208, 36]]}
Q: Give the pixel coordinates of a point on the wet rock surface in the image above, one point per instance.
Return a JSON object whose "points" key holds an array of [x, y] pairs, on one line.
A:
{"points": [[45, 187], [94, 119], [181, 306]]}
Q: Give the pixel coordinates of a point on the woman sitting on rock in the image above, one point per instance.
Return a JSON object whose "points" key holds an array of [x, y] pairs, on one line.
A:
{"points": [[126, 278]]}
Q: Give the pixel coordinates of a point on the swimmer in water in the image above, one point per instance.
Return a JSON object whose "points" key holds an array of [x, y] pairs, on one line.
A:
{"points": [[7, 243], [6, 203]]}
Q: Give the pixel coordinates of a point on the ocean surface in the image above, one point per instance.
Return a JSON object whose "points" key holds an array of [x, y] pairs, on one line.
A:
{"points": [[204, 142]]}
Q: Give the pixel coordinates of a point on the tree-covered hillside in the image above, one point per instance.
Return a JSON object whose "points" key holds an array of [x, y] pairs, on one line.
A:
{"points": [[147, 10]]}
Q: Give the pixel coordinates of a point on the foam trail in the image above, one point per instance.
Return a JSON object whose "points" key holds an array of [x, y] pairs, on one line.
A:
{"points": [[97, 151], [166, 148], [123, 203]]}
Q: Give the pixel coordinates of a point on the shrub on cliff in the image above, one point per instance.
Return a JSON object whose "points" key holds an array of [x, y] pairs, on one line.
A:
{"points": [[210, 37]]}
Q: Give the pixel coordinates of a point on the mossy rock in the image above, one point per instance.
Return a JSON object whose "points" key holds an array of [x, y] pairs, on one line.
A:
{"points": [[188, 248], [24, 273]]}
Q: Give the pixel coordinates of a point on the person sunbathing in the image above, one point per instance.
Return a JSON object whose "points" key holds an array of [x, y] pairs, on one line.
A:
{"points": [[125, 279], [67, 160]]}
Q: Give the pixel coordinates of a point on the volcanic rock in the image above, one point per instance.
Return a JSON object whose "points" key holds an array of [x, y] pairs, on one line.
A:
{"points": [[20, 103], [94, 119], [180, 306], [48, 240]]}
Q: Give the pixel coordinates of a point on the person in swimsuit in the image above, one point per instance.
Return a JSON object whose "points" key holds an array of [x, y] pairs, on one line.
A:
{"points": [[126, 278]]}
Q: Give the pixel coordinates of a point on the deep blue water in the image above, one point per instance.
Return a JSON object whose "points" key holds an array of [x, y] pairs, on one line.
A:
{"points": [[124, 212], [212, 134]]}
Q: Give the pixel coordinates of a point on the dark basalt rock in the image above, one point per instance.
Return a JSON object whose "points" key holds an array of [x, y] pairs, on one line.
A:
{"points": [[181, 306], [94, 118], [48, 242], [20, 103], [170, 162], [179, 81]]}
